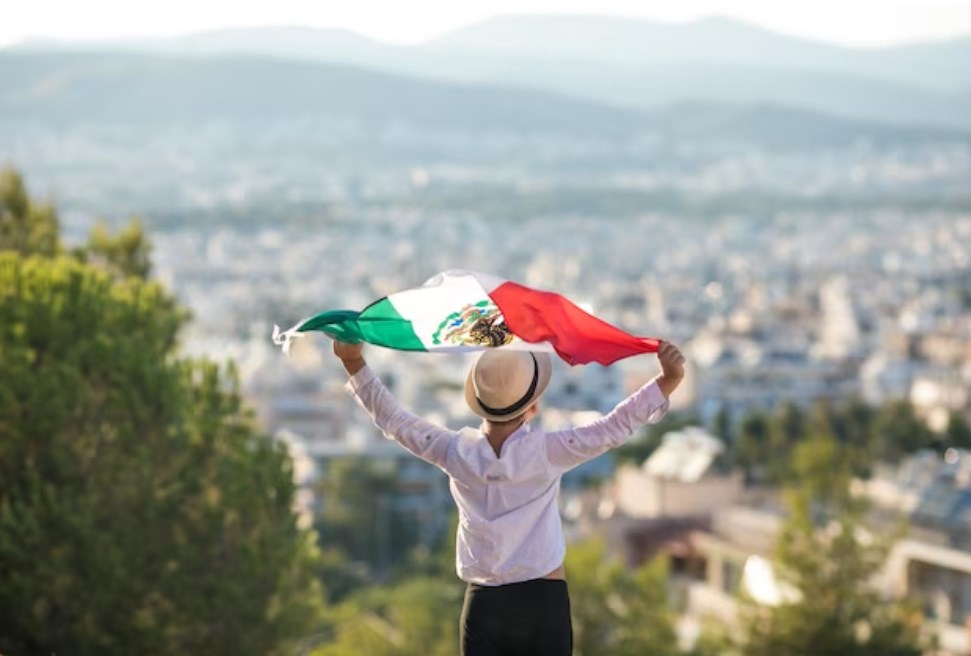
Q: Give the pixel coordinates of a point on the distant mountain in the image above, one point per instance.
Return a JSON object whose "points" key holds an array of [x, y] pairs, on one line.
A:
{"points": [[634, 43], [942, 65], [641, 64], [62, 89], [720, 42], [853, 97], [302, 43], [630, 63]]}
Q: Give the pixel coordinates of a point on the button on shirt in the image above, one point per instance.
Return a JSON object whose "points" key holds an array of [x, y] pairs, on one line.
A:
{"points": [[509, 521]]}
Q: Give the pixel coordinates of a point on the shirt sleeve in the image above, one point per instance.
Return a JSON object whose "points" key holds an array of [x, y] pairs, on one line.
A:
{"points": [[573, 446], [423, 438]]}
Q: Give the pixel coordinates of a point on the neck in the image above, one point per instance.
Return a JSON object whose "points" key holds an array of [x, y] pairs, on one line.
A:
{"points": [[498, 433]]}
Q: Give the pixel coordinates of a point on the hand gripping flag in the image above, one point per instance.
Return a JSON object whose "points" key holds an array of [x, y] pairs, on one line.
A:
{"points": [[461, 310]]}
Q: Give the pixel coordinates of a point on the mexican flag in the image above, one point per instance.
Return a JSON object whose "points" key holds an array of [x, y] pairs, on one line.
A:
{"points": [[466, 311]]}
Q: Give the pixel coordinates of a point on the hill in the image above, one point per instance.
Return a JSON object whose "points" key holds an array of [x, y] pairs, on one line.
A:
{"points": [[628, 63], [65, 89]]}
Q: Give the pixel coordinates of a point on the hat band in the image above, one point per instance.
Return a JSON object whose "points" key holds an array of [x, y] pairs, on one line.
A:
{"points": [[518, 405]]}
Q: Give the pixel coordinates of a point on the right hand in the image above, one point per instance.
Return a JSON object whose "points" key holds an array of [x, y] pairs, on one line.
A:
{"points": [[671, 360], [348, 352]]}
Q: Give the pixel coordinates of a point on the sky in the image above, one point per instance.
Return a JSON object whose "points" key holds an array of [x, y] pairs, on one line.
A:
{"points": [[854, 23]]}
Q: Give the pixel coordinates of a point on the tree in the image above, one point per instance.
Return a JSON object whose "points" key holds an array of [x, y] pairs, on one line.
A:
{"points": [[787, 428], [723, 428], [751, 450], [958, 432], [721, 424], [125, 253], [825, 553], [617, 612], [140, 511], [26, 227], [359, 514], [418, 617], [339, 576], [897, 430], [851, 424], [31, 228]]}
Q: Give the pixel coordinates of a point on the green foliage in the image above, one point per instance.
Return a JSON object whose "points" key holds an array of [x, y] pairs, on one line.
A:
{"points": [[821, 469], [865, 434], [958, 432], [125, 253], [418, 617], [359, 516], [355, 499], [852, 427], [751, 450], [722, 427], [617, 611], [964, 296], [766, 443], [826, 553], [713, 641], [26, 227], [140, 511], [339, 576], [30, 228], [788, 428], [897, 431]]}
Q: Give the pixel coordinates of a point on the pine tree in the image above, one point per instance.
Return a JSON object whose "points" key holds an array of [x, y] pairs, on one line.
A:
{"points": [[141, 512], [826, 553], [958, 432], [26, 227], [897, 431], [751, 451], [125, 253]]}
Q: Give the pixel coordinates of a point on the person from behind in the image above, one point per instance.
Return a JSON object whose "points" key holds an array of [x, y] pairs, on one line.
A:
{"points": [[504, 476]]}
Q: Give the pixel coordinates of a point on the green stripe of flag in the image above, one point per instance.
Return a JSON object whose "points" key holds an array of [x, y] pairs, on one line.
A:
{"points": [[379, 324]]}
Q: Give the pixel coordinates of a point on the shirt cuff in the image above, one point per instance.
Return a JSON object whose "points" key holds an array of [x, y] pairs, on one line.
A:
{"points": [[359, 380], [657, 400]]}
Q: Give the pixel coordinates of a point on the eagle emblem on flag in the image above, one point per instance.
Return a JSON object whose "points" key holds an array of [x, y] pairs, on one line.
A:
{"points": [[476, 324]]}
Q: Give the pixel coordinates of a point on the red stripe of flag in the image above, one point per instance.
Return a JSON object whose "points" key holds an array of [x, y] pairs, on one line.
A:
{"points": [[577, 336]]}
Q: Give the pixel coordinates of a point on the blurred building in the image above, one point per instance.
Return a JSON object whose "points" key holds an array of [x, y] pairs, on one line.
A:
{"points": [[655, 507], [677, 480], [932, 564]]}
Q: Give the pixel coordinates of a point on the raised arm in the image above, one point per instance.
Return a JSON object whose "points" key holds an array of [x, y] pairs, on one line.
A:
{"points": [[672, 368], [351, 356], [573, 446], [423, 438]]}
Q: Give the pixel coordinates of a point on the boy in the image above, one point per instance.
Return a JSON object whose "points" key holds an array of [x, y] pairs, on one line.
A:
{"points": [[505, 479]]}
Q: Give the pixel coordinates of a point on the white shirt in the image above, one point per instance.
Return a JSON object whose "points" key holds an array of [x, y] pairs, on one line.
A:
{"points": [[509, 521]]}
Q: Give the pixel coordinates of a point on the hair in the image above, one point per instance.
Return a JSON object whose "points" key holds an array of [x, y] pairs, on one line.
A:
{"points": [[509, 422], [506, 422]]}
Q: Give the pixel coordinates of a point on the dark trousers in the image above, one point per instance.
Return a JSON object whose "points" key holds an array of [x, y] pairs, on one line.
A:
{"points": [[531, 618]]}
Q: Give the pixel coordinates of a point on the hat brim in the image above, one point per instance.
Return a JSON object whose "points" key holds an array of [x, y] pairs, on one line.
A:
{"points": [[544, 364]]}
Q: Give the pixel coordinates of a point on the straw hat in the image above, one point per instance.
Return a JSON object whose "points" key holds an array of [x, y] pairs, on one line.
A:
{"points": [[502, 384]]}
